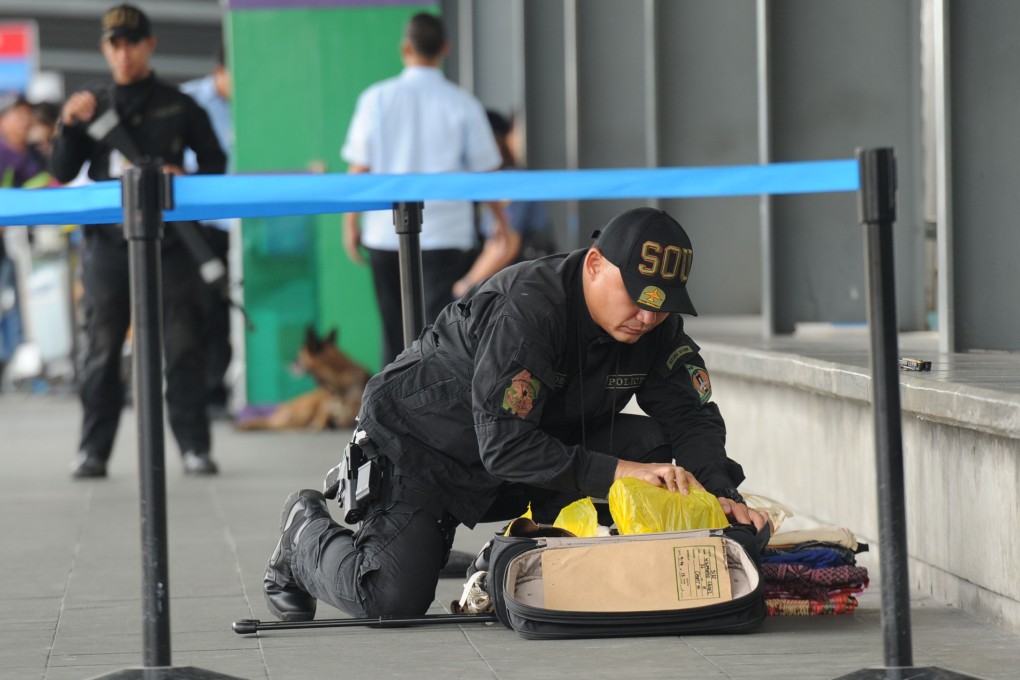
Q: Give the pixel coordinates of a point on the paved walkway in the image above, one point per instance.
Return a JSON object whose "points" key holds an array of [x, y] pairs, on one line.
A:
{"points": [[71, 569]]}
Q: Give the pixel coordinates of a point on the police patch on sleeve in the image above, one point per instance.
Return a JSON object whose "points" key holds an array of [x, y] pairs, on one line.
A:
{"points": [[519, 397], [678, 354], [700, 380]]}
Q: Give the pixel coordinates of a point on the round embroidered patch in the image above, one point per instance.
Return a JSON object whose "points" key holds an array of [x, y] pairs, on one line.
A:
{"points": [[519, 397], [700, 380]]}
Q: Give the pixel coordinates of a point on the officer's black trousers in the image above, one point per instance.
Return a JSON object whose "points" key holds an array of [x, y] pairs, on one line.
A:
{"points": [[107, 307], [390, 566]]}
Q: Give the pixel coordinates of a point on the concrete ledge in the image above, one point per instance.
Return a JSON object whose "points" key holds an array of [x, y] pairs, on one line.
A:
{"points": [[932, 398], [802, 427]]}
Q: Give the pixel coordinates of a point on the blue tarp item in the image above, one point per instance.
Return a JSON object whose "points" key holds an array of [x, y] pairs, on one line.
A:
{"points": [[218, 196]]}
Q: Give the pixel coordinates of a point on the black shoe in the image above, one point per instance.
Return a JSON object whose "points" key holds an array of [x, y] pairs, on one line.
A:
{"points": [[286, 600], [199, 464], [88, 467]]}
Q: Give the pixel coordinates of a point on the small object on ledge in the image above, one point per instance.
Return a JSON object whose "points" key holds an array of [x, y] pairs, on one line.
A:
{"points": [[910, 364]]}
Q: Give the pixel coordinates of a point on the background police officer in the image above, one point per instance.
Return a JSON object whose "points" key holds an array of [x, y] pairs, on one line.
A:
{"points": [[158, 122]]}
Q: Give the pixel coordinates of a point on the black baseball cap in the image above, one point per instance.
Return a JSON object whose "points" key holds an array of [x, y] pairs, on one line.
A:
{"points": [[126, 21], [654, 255]]}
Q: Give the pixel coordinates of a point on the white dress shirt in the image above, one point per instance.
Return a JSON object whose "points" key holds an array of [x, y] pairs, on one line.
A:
{"points": [[419, 122]]}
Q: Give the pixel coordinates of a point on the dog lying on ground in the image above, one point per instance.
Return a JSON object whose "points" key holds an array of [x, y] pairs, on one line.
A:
{"points": [[334, 402]]}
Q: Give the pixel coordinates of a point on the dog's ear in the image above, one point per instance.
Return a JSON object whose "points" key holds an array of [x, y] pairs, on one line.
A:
{"points": [[331, 337], [311, 339]]}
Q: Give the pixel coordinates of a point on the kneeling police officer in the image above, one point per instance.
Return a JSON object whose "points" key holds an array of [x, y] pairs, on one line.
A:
{"points": [[513, 396]]}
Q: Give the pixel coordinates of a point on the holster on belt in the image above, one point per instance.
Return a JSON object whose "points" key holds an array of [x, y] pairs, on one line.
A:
{"points": [[357, 480], [365, 476]]}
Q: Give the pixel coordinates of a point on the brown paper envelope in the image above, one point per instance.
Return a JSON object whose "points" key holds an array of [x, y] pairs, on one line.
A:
{"points": [[650, 575]]}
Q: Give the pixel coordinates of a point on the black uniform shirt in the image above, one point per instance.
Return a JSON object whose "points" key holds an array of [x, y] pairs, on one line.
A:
{"points": [[161, 120], [491, 392]]}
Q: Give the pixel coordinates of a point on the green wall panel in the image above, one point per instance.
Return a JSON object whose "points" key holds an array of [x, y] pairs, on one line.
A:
{"points": [[297, 76]]}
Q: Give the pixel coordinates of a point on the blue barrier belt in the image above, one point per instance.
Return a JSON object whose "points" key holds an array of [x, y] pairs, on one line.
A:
{"points": [[220, 196]]}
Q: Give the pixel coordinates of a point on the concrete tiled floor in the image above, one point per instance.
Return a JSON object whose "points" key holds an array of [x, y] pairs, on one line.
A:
{"points": [[72, 571]]}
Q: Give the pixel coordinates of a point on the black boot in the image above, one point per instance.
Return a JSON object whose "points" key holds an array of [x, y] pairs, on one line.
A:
{"points": [[88, 467], [286, 599], [198, 464]]}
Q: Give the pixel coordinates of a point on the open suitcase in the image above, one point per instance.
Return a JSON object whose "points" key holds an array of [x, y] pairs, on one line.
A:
{"points": [[547, 585]]}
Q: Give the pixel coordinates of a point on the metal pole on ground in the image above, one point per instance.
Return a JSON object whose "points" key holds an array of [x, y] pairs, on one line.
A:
{"points": [[877, 211], [146, 191]]}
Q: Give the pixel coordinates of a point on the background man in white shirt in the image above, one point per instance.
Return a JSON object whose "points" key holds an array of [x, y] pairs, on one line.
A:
{"points": [[419, 122]]}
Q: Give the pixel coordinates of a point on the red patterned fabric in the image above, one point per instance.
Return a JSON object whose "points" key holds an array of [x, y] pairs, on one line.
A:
{"points": [[842, 604], [826, 576], [796, 589]]}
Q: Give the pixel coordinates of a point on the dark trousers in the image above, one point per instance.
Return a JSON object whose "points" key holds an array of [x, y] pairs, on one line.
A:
{"points": [[390, 566], [107, 307], [440, 270]]}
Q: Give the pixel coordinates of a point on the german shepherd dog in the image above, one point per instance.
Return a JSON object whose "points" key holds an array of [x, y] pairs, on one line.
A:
{"points": [[334, 402]]}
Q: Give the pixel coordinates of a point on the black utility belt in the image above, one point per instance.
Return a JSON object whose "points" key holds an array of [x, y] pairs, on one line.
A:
{"points": [[364, 476]]}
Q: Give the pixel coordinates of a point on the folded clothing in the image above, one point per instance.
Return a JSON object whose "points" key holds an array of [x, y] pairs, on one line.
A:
{"points": [[844, 604], [832, 577], [838, 535], [812, 557], [803, 591], [813, 572]]}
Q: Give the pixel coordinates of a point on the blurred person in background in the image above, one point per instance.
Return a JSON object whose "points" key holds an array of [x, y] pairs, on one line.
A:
{"points": [[528, 218], [419, 122], [42, 129], [19, 167], [19, 164], [161, 121]]}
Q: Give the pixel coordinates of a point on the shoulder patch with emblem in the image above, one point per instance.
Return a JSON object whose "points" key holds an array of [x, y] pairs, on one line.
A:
{"points": [[519, 397], [700, 380]]}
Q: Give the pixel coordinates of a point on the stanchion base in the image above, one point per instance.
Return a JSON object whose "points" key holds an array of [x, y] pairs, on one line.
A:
{"points": [[166, 673], [906, 673]]}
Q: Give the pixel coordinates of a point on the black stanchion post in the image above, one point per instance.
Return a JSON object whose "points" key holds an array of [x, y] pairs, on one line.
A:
{"points": [[143, 229], [877, 211], [146, 191], [407, 220], [877, 208]]}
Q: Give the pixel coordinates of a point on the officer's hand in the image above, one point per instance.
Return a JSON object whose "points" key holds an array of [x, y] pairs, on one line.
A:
{"points": [[460, 287], [173, 169], [352, 239], [79, 108], [741, 514], [673, 477]]}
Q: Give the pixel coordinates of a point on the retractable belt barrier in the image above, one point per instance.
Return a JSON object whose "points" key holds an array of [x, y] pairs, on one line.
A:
{"points": [[204, 197], [138, 200]]}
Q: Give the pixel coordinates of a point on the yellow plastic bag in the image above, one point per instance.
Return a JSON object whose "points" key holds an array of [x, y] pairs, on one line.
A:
{"points": [[579, 518], [641, 508]]}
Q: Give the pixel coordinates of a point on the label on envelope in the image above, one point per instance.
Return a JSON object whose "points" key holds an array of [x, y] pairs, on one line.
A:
{"points": [[632, 576]]}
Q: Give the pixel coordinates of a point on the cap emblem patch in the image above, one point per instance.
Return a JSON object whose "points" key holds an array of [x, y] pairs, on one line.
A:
{"points": [[652, 297], [120, 16]]}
